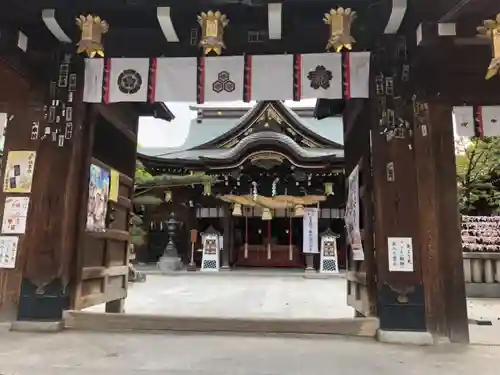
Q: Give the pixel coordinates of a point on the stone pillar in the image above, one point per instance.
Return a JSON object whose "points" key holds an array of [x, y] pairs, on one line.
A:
{"points": [[225, 253]]}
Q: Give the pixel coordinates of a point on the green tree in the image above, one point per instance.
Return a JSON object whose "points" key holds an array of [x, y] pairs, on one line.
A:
{"points": [[478, 177], [141, 174]]}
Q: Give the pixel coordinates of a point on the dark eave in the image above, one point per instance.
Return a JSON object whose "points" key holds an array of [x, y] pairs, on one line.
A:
{"points": [[269, 141], [156, 110]]}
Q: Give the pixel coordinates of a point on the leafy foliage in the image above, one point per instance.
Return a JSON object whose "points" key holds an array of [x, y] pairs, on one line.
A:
{"points": [[478, 177]]}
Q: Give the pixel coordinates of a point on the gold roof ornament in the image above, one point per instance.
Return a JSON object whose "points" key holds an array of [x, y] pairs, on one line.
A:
{"points": [[212, 31], [340, 21], [237, 210], [93, 28], [491, 30]]}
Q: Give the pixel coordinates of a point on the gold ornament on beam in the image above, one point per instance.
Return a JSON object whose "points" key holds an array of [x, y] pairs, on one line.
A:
{"points": [[340, 21], [237, 210], [266, 214], [93, 28], [212, 31], [491, 30]]}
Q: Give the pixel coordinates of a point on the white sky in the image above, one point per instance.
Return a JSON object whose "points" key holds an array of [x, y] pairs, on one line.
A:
{"points": [[158, 133]]}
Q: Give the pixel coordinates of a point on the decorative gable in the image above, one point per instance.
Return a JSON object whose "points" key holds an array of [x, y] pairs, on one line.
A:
{"points": [[271, 117]]}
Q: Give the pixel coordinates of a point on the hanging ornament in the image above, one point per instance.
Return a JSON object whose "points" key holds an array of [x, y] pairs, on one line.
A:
{"points": [[491, 30], [92, 28], [299, 210], [168, 196], [207, 188], [212, 31], [237, 210], [266, 214], [340, 21], [328, 188]]}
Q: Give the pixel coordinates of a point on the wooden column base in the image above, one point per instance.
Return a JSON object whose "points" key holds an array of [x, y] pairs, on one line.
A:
{"points": [[47, 304]]}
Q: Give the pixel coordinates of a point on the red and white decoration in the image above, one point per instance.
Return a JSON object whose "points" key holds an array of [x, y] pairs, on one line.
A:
{"points": [[463, 121], [229, 78], [482, 121], [489, 120]]}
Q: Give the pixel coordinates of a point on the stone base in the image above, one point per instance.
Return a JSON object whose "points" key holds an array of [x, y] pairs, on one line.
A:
{"points": [[310, 270], [405, 337], [42, 327], [225, 268], [191, 267], [482, 290], [168, 264]]}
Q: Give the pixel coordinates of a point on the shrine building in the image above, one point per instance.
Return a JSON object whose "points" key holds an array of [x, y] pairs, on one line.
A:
{"points": [[268, 162]]}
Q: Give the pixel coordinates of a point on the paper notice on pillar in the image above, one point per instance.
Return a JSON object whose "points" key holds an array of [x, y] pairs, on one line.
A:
{"points": [[175, 79], [400, 254], [19, 171], [310, 231], [489, 120], [93, 80], [8, 251], [351, 216], [320, 76], [15, 215], [357, 75], [271, 77], [223, 78], [463, 121], [128, 80]]}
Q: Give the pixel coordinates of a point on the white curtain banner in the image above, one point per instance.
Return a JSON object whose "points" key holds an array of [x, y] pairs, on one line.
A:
{"points": [[271, 77], [359, 74], [321, 76], [463, 120], [310, 231], [223, 78], [128, 80], [175, 79], [490, 120], [93, 80]]}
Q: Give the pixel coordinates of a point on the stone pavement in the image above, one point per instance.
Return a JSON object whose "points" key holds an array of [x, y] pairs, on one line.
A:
{"points": [[84, 353], [237, 295], [268, 295]]}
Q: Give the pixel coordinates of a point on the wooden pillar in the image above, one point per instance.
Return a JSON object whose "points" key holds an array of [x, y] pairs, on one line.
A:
{"points": [[46, 249], [415, 197], [441, 246]]}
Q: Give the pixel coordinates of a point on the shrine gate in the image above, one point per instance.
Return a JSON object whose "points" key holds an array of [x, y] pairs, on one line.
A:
{"points": [[394, 70]]}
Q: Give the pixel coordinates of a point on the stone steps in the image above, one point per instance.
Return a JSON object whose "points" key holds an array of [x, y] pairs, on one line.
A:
{"points": [[80, 320]]}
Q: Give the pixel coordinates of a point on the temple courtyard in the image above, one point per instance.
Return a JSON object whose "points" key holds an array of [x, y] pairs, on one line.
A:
{"points": [[269, 295]]}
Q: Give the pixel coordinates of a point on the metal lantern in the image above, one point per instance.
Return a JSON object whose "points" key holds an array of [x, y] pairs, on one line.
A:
{"points": [[93, 28], [212, 31], [237, 210], [491, 30], [340, 21]]}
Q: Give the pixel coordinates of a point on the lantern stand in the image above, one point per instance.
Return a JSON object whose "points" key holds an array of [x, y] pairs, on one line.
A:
{"points": [[170, 260], [192, 265]]}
